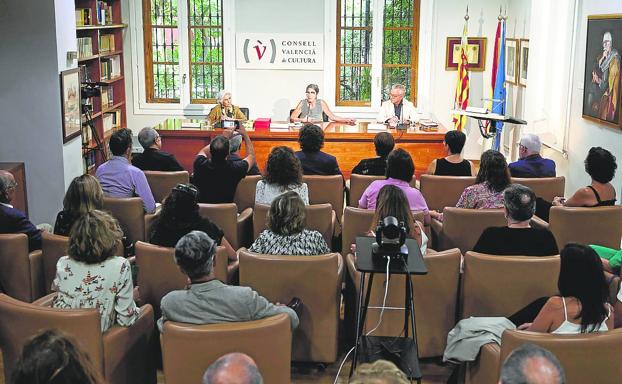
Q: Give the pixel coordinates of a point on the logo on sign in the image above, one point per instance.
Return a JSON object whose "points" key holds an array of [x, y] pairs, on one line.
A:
{"points": [[258, 48]]}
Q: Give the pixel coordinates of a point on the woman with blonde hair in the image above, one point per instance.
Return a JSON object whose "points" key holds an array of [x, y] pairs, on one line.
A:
{"points": [[91, 276], [83, 195]]}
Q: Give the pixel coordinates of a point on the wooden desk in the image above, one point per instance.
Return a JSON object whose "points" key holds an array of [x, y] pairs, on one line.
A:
{"points": [[349, 143]]}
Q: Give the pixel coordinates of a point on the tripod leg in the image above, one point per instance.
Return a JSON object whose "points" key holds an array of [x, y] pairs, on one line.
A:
{"points": [[359, 326]]}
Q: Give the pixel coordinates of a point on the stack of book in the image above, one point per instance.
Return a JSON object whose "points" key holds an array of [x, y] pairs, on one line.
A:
{"points": [[106, 43], [111, 120], [85, 47], [83, 16], [104, 13], [111, 67], [107, 96]]}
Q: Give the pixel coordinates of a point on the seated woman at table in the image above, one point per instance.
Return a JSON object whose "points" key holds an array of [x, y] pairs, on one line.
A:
{"points": [[225, 110], [283, 173], [487, 192], [287, 234], [83, 195], [310, 109], [601, 165]]}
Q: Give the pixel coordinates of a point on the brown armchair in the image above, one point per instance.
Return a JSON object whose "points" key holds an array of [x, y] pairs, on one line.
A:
{"points": [[280, 278], [435, 297], [358, 185], [21, 272], [158, 274], [320, 217], [525, 279], [245, 192], [443, 191], [586, 358], [187, 350], [326, 189], [356, 222], [161, 183], [135, 223], [544, 187], [462, 227], [121, 354], [237, 228]]}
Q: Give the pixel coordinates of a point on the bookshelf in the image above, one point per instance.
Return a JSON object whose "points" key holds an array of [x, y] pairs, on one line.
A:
{"points": [[99, 33]]}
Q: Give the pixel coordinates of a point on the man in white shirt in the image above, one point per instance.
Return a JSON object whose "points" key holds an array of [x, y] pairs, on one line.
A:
{"points": [[397, 108]]}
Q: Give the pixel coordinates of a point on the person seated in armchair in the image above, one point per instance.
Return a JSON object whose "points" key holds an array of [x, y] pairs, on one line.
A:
{"points": [[13, 220], [225, 110], [153, 158]]}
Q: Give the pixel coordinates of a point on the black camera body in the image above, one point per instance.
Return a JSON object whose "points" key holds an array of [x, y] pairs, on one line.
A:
{"points": [[390, 239]]}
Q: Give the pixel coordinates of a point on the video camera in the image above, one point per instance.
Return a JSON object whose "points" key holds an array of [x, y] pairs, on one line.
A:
{"points": [[390, 239]]}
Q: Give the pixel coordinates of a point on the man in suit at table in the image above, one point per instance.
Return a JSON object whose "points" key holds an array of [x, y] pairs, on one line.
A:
{"points": [[13, 220], [314, 161], [153, 158], [397, 108]]}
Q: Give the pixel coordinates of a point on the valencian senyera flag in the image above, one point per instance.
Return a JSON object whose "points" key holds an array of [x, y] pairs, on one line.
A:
{"points": [[497, 102], [461, 100]]}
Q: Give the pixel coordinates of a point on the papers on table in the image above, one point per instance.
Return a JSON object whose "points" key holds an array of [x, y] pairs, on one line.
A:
{"points": [[376, 127]]}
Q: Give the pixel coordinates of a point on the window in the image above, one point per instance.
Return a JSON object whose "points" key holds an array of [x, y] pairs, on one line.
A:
{"points": [[370, 60], [164, 22]]}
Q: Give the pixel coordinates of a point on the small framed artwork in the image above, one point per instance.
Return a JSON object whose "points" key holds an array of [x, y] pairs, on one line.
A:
{"points": [[601, 90], [523, 62], [511, 61], [476, 53], [70, 103]]}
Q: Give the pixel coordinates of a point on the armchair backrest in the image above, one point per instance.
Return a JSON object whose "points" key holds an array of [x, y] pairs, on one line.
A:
{"points": [[358, 185], [326, 189], [356, 222], [187, 350], [224, 216], [161, 183], [443, 191], [130, 214], [245, 192], [54, 247], [462, 227], [319, 218], [595, 225], [280, 278], [16, 274], [495, 285], [544, 187]]}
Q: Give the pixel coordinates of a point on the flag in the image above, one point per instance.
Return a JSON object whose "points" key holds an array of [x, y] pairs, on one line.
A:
{"points": [[498, 80], [461, 100]]}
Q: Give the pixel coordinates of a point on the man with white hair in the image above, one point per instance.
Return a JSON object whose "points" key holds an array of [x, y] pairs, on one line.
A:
{"points": [[153, 158], [605, 86], [531, 364], [233, 368], [397, 108], [530, 163], [225, 110]]}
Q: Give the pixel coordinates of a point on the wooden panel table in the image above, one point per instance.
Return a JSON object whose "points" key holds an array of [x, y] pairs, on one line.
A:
{"points": [[349, 143]]}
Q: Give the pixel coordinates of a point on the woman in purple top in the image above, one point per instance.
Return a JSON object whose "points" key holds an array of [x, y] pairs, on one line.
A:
{"points": [[400, 171]]}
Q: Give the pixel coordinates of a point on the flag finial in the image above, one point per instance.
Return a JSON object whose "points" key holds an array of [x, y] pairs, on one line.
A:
{"points": [[500, 17], [466, 16]]}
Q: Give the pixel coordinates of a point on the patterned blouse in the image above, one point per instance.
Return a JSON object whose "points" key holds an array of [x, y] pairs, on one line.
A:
{"points": [[479, 196], [305, 243], [265, 193], [106, 286]]}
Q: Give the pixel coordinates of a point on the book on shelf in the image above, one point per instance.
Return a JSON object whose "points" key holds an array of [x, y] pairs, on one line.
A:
{"points": [[108, 122], [107, 95], [114, 118], [110, 67], [106, 43], [104, 13], [83, 17], [85, 47]]}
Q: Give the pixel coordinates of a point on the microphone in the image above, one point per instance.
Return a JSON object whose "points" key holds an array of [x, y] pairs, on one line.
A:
{"points": [[309, 113]]}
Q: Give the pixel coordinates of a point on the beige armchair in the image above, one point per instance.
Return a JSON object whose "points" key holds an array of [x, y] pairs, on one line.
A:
{"points": [[443, 191], [237, 227], [21, 272], [544, 187], [462, 227], [135, 223], [326, 189], [245, 192], [161, 183], [358, 185]]}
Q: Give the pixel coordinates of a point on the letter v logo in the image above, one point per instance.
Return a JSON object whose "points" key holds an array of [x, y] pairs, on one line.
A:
{"points": [[260, 49]]}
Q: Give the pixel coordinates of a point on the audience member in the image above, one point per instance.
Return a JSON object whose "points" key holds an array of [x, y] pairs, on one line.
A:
{"points": [[153, 158], [119, 178], [314, 161], [312, 110], [233, 368], [492, 179], [531, 364], [180, 215], [377, 166], [283, 173], [225, 110], [235, 143], [397, 108], [453, 164], [51, 357], [601, 165], [530, 163], [517, 238], [215, 174], [91, 276], [83, 195], [286, 233], [13, 220], [378, 372], [400, 171], [208, 300]]}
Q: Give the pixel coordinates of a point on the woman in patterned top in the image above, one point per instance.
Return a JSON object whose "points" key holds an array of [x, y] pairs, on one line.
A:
{"points": [[91, 276], [287, 234], [487, 192], [83, 195], [283, 173]]}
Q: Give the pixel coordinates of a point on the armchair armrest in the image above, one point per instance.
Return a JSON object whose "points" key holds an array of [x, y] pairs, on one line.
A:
{"points": [[245, 227], [335, 224], [35, 259], [150, 219], [538, 223], [485, 369], [45, 301], [435, 239]]}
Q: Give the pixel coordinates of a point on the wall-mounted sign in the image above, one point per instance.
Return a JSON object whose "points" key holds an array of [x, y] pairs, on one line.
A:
{"points": [[279, 51]]}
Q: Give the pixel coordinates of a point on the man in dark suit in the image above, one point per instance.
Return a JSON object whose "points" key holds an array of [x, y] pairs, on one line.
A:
{"points": [[13, 220], [153, 159], [314, 161]]}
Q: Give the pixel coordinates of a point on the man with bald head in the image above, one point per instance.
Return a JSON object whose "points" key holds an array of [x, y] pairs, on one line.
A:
{"points": [[531, 364], [13, 220], [233, 368]]}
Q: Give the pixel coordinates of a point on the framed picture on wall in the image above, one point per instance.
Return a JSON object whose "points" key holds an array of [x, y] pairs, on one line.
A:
{"points": [[511, 60], [70, 103], [601, 90], [523, 62], [476, 53]]}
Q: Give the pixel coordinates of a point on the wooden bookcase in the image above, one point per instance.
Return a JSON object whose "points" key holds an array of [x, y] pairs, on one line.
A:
{"points": [[101, 63]]}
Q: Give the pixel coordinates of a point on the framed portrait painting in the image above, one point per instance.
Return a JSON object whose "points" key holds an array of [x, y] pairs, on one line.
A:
{"points": [[70, 103], [523, 62], [476, 53], [511, 59], [601, 90]]}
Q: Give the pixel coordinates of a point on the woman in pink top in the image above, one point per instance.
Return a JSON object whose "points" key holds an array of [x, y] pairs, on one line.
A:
{"points": [[400, 171]]}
